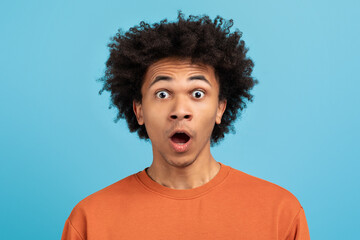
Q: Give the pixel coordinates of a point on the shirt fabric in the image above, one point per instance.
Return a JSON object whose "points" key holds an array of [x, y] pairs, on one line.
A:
{"points": [[232, 205]]}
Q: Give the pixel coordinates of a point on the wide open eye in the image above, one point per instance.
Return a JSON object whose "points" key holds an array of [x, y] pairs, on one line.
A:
{"points": [[198, 94], [162, 94]]}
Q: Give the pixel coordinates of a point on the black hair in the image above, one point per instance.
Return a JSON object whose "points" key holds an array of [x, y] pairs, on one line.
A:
{"points": [[197, 38]]}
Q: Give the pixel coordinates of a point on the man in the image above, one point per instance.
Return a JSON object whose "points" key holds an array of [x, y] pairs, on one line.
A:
{"points": [[181, 84]]}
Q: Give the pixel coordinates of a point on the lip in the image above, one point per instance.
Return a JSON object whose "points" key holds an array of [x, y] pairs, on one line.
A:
{"points": [[180, 148]]}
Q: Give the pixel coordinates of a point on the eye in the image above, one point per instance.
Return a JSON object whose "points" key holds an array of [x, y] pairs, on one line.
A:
{"points": [[198, 94], [162, 94]]}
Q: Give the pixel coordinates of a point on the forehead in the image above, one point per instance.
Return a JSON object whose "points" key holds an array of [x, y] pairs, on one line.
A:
{"points": [[178, 67]]}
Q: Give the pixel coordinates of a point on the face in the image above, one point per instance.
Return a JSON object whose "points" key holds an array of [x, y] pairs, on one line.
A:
{"points": [[179, 108]]}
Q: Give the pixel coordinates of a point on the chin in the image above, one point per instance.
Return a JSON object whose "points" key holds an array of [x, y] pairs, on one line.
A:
{"points": [[179, 163]]}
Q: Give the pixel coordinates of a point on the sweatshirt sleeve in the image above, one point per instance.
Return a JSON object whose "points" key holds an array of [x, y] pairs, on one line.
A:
{"points": [[70, 233], [299, 229]]}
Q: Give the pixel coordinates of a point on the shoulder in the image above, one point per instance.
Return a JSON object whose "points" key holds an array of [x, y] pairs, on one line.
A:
{"points": [[102, 204], [263, 191], [111, 195], [272, 202]]}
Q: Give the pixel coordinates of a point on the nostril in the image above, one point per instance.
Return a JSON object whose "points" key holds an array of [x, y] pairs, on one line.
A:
{"points": [[185, 116]]}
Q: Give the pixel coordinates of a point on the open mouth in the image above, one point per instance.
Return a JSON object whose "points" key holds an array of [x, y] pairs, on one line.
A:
{"points": [[180, 138]]}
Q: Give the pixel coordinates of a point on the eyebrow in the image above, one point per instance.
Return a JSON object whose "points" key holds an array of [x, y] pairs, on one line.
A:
{"points": [[167, 78]]}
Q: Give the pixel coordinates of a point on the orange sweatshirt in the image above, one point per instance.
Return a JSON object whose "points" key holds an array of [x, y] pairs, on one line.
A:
{"points": [[233, 205]]}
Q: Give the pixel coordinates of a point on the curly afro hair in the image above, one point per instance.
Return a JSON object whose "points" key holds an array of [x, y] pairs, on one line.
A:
{"points": [[197, 38]]}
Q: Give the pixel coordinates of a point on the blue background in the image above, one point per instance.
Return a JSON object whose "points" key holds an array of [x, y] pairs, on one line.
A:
{"points": [[59, 143]]}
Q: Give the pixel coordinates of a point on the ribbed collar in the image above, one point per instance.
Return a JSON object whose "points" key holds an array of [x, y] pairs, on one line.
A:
{"points": [[155, 187]]}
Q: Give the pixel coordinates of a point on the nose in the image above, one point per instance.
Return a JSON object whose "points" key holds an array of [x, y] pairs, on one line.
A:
{"points": [[181, 110]]}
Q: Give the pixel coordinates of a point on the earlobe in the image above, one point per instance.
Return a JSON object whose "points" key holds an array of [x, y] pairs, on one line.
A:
{"points": [[220, 111], [137, 108]]}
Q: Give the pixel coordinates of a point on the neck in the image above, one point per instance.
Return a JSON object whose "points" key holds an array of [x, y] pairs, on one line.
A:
{"points": [[194, 175]]}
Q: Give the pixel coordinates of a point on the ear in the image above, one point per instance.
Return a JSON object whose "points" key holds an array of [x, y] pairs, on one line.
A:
{"points": [[220, 111], [137, 108]]}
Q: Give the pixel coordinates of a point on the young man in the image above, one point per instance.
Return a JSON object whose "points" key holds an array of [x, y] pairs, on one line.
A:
{"points": [[181, 85]]}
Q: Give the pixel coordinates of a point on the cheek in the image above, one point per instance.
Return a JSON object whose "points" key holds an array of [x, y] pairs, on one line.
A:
{"points": [[205, 117], [154, 120], [207, 111]]}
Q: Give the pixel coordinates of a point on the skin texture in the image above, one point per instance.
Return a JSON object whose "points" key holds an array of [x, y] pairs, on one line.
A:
{"points": [[180, 103]]}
